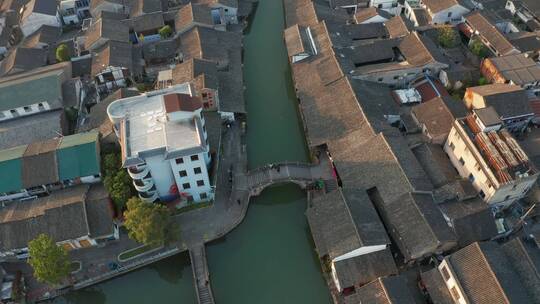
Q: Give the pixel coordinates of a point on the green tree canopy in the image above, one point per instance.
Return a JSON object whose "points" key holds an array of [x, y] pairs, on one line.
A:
{"points": [[447, 37], [165, 31], [116, 180], [50, 262], [62, 53], [478, 48], [148, 223], [482, 81]]}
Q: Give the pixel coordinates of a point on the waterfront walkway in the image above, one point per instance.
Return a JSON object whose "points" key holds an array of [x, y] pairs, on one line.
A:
{"points": [[201, 276]]}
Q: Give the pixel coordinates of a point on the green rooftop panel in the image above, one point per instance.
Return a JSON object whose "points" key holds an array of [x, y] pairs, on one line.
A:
{"points": [[11, 175], [79, 139], [78, 156]]}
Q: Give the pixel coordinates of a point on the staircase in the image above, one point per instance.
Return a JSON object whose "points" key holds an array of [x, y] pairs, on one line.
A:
{"points": [[201, 275], [330, 185]]}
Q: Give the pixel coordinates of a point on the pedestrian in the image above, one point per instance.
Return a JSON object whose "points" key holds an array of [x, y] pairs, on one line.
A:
{"points": [[238, 201]]}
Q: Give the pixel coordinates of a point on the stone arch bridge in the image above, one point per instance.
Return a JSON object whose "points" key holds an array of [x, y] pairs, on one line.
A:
{"points": [[302, 174]]}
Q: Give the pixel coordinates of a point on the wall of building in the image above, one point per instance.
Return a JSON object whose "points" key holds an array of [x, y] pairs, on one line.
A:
{"points": [[26, 110], [108, 7], [390, 6], [375, 19], [451, 15], [452, 283], [188, 165], [161, 174], [473, 101], [477, 170], [490, 72]]}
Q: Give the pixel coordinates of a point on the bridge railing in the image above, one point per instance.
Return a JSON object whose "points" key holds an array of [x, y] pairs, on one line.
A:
{"points": [[285, 163]]}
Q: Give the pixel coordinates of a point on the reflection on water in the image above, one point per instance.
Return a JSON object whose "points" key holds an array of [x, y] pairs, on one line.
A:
{"points": [[167, 281], [269, 258]]}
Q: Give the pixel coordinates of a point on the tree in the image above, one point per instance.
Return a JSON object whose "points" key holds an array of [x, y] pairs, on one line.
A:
{"points": [[50, 262], [62, 53], [165, 31], [111, 163], [482, 81], [116, 180], [119, 187], [477, 47], [148, 223], [447, 37]]}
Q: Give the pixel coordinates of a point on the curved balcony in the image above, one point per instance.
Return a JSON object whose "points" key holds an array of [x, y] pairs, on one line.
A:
{"points": [[138, 172], [143, 185], [149, 197]]}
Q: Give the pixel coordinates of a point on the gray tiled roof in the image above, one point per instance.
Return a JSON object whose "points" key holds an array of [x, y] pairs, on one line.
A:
{"points": [[364, 14], [344, 220], [141, 7], [435, 163], [39, 163], [98, 118], [417, 225], [25, 130], [202, 73], [472, 220], [46, 35], [435, 116], [364, 268], [109, 29], [486, 276], [191, 14], [397, 27], [436, 287], [301, 12], [99, 211], [23, 59], [146, 22], [436, 6], [525, 258], [487, 30], [520, 69], [61, 215], [507, 100], [364, 161], [162, 50], [387, 290], [113, 53]]}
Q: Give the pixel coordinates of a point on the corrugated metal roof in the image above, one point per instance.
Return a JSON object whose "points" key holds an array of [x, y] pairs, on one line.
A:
{"points": [[11, 175], [78, 156]]}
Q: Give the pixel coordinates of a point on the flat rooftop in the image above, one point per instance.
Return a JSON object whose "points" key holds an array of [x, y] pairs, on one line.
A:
{"points": [[147, 127]]}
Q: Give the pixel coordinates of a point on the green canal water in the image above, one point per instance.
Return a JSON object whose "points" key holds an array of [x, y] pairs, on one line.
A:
{"points": [[269, 258]]}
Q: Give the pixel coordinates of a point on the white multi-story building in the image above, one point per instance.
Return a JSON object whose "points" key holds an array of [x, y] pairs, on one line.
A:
{"points": [[490, 158], [164, 144]]}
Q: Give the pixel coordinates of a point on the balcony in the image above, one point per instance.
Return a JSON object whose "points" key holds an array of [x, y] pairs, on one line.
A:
{"points": [[149, 197], [138, 172], [143, 185]]}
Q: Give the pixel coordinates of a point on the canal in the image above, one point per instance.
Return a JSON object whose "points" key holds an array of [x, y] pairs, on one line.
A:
{"points": [[269, 258]]}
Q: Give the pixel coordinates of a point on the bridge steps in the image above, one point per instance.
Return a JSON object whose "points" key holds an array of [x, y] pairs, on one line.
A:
{"points": [[201, 277], [330, 185]]}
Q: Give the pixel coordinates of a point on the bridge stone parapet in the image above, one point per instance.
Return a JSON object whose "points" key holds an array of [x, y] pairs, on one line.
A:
{"points": [[302, 174]]}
